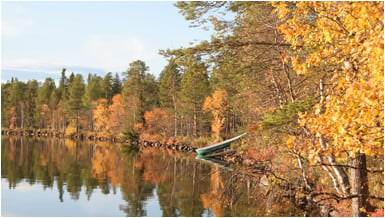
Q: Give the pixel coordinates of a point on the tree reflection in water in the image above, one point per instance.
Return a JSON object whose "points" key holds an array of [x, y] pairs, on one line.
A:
{"points": [[183, 185]]}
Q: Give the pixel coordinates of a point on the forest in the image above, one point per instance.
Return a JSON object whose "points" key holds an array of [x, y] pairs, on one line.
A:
{"points": [[305, 80]]}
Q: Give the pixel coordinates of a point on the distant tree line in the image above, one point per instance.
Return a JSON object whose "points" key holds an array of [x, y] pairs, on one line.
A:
{"points": [[169, 106]]}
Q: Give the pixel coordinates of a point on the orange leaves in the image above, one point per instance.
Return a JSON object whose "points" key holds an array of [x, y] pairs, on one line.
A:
{"points": [[158, 121], [116, 114], [217, 104], [217, 101], [101, 115], [106, 165], [109, 118], [152, 116]]}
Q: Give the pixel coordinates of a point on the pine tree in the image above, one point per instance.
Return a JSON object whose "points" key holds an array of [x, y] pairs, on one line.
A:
{"points": [[63, 90], [116, 85], [133, 90], [32, 90], [15, 104], [5, 88], [107, 86], [194, 89], [43, 97], [169, 83], [94, 91], [63, 85], [140, 92], [76, 91], [71, 78]]}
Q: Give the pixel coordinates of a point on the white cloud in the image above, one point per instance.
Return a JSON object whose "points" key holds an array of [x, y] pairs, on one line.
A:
{"points": [[112, 53], [97, 53]]}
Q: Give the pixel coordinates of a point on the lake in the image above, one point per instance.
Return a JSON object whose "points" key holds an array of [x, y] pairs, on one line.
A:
{"points": [[67, 178]]}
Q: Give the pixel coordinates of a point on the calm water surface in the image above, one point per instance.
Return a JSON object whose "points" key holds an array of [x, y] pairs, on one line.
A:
{"points": [[65, 178]]}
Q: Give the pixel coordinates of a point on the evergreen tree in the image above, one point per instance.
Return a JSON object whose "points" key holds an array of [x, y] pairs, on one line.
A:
{"points": [[15, 104], [107, 86], [43, 97], [5, 106], [76, 91], [63, 85], [194, 89], [31, 98], [139, 91], [71, 78], [94, 89], [169, 83], [116, 85], [45, 91], [150, 92]]}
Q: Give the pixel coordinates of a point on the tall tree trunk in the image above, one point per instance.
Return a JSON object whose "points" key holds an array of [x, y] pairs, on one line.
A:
{"points": [[195, 122], [52, 119], [181, 125], [22, 116], [360, 186], [303, 170], [91, 119], [341, 174], [77, 122], [64, 124], [175, 116]]}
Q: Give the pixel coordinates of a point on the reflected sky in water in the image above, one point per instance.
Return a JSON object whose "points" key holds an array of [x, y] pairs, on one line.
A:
{"points": [[31, 196]]}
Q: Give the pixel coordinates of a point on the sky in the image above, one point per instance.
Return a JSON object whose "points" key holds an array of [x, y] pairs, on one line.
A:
{"points": [[40, 38]]}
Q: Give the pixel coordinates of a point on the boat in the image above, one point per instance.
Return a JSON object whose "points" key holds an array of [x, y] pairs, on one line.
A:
{"points": [[217, 146]]}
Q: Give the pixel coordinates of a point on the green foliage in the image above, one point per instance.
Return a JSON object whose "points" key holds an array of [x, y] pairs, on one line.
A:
{"points": [[140, 92], [44, 92], [107, 86], [76, 91], [287, 114], [94, 90], [130, 136], [54, 99], [116, 85], [169, 82], [195, 87], [195, 84], [63, 85]]}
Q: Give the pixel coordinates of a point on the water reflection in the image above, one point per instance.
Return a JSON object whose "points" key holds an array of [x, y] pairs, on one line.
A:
{"points": [[147, 182]]}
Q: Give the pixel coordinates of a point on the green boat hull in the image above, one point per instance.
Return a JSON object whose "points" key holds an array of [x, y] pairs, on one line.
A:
{"points": [[201, 152]]}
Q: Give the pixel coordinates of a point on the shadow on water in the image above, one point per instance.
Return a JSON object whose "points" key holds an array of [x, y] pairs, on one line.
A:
{"points": [[147, 182]]}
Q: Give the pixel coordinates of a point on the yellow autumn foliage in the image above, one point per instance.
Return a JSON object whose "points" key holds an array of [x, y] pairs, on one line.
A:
{"points": [[342, 42], [217, 104], [71, 129]]}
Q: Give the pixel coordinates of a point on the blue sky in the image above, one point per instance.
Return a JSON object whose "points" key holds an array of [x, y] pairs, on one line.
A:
{"points": [[40, 38]]}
